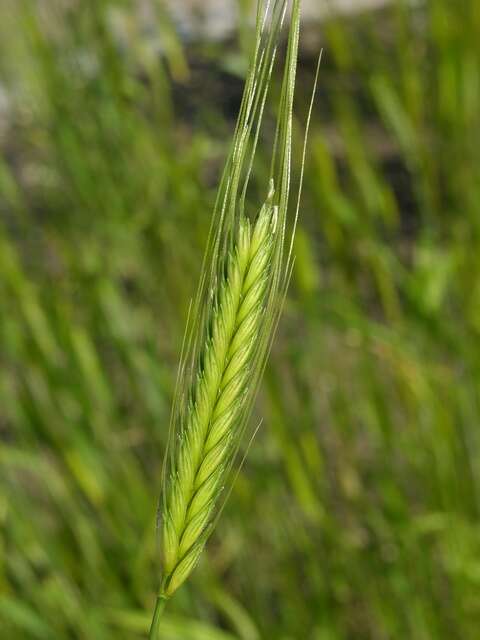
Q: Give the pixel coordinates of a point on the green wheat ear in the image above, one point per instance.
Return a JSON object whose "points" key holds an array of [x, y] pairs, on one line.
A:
{"points": [[207, 440], [244, 278]]}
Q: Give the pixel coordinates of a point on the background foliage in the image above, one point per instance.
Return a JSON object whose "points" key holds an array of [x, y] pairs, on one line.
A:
{"points": [[356, 515]]}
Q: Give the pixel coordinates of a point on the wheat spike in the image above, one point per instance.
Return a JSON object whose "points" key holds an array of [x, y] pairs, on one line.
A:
{"points": [[217, 398], [244, 278]]}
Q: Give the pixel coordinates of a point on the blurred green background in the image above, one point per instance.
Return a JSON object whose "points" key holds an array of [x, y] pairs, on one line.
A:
{"points": [[356, 515]]}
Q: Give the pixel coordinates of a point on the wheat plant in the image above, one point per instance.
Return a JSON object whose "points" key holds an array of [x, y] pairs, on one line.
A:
{"points": [[244, 277]]}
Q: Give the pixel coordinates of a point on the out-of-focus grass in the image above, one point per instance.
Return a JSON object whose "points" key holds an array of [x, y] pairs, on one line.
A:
{"points": [[356, 513]]}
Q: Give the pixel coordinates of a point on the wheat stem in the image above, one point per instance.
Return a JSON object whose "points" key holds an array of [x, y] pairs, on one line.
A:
{"points": [[157, 615]]}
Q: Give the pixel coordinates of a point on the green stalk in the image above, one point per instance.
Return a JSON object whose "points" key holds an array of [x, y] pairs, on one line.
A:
{"points": [[157, 615]]}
